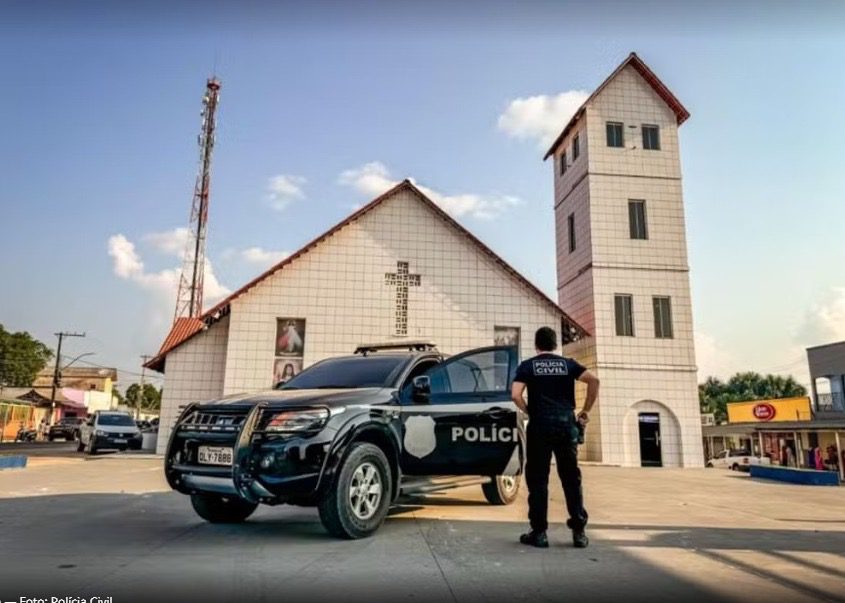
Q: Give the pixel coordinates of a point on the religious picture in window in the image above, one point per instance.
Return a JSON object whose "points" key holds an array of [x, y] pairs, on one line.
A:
{"points": [[285, 369], [506, 336], [290, 336]]}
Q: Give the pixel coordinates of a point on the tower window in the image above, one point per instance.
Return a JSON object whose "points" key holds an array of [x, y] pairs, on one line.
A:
{"points": [[570, 224], [651, 138], [563, 163], [662, 317], [636, 219], [615, 136], [624, 309], [576, 147]]}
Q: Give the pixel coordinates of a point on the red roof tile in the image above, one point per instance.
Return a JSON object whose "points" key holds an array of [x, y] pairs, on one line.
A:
{"points": [[681, 114]]}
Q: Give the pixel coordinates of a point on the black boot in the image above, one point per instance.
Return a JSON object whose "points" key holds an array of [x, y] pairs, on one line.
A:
{"points": [[535, 538], [579, 539]]}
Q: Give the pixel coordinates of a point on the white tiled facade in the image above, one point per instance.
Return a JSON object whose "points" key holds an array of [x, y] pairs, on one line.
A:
{"points": [[195, 372], [642, 373], [339, 288]]}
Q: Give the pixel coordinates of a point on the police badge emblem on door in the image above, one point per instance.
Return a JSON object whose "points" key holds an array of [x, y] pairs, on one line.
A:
{"points": [[420, 438]]}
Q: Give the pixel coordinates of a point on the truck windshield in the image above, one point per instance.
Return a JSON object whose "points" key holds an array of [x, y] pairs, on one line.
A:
{"points": [[115, 420], [343, 373]]}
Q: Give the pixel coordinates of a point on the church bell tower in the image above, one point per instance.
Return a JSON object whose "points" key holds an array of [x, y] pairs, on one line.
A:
{"points": [[622, 268]]}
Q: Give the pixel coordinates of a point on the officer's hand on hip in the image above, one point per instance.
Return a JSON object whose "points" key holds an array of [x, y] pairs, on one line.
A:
{"points": [[583, 417]]}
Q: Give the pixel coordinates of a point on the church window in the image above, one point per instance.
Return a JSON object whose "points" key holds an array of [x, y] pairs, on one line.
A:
{"points": [[570, 224], [663, 317], [624, 310], [615, 136], [563, 163], [576, 147], [651, 138], [636, 219]]}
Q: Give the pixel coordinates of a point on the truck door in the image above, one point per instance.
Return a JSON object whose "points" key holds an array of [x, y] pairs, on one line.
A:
{"points": [[468, 426]]}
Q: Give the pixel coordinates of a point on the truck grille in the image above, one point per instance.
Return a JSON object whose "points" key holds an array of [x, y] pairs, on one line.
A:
{"points": [[203, 420]]}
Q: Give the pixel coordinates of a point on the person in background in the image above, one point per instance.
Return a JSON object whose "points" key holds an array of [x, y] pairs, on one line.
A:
{"points": [[553, 428]]}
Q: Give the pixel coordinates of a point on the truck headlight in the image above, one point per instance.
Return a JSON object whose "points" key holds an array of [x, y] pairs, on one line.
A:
{"points": [[100, 432], [296, 420]]}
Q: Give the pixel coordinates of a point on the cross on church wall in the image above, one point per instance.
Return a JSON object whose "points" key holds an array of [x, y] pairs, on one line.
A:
{"points": [[402, 280]]}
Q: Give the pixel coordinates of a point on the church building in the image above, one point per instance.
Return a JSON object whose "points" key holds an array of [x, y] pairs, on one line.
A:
{"points": [[401, 268]]}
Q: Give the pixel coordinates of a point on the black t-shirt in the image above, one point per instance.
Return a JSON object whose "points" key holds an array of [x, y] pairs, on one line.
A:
{"points": [[550, 380]]}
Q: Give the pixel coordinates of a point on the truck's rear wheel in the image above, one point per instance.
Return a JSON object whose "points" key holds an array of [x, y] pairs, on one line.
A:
{"points": [[501, 489], [222, 509], [356, 503]]}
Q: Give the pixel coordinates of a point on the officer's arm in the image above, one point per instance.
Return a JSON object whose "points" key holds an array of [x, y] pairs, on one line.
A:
{"points": [[592, 393], [517, 391]]}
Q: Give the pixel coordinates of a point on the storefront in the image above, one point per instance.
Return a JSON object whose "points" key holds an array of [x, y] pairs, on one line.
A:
{"points": [[785, 431]]}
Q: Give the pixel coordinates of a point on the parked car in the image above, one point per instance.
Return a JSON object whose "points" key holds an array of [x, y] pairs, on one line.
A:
{"points": [[66, 427], [108, 429], [737, 460], [349, 434]]}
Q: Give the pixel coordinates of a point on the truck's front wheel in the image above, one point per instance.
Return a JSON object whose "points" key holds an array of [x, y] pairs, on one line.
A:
{"points": [[356, 503], [222, 509]]}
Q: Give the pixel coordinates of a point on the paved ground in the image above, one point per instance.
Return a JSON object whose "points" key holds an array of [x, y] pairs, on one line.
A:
{"points": [[110, 527]]}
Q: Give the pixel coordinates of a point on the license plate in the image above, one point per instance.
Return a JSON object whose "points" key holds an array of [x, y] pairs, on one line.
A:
{"points": [[214, 455], [120, 440]]}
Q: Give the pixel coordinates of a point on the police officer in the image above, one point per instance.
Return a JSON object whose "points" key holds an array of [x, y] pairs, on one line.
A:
{"points": [[553, 428]]}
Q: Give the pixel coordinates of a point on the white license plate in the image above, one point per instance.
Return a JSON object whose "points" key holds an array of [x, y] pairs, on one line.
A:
{"points": [[214, 455], [120, 441]]}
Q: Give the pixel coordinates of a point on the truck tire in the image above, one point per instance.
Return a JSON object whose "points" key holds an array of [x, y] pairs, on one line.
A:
{"points": [[356, 502], [501, 489], [216, 508], [91, 448], [735, 467]]}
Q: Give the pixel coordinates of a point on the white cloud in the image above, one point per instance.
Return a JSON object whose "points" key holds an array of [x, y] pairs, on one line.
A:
{"points": [[263, 258], [824, 322], [540, 117], [283, 189], [713, 359], [163, 284], [372, 179], [170, 242]]}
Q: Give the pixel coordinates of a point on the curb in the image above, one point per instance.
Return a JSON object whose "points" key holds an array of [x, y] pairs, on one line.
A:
{"points": [[123, 457]]}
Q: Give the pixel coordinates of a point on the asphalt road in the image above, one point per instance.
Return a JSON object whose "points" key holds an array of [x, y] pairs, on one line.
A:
{"points": [[109, 527]]}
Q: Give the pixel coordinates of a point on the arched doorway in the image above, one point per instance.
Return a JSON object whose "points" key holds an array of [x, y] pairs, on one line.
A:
{"points": [[652, 436]]}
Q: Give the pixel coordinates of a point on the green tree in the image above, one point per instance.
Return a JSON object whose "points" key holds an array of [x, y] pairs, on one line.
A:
{"points": [[21, 357], [715, 394], [149, 401]]}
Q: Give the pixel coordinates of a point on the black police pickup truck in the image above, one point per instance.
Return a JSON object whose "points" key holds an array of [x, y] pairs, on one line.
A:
{"points": [[349, 434]]}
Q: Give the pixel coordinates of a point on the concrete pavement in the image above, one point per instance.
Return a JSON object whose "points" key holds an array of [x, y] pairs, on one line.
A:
{"points": [[110, 527]]}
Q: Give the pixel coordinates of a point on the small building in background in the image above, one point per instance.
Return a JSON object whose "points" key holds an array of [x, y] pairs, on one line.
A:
{"points": [[799, 432], [827, 379]]}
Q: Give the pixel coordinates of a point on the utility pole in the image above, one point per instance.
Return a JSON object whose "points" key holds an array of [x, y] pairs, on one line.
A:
{"points": [[61, 335], [144, 358]]}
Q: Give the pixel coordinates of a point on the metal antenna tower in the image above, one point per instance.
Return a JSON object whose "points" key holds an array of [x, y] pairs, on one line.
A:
{"points": [[189, 298]]}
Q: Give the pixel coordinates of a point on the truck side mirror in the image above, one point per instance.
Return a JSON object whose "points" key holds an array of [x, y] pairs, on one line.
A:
{"points": [[421, 389]]}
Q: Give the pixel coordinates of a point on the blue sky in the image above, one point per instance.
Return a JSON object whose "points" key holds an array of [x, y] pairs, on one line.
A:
{"points": [[101, 112]]}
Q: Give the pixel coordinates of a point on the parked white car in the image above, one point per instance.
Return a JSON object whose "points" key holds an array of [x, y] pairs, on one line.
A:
{"points": [[108, 429], [736, 460]]}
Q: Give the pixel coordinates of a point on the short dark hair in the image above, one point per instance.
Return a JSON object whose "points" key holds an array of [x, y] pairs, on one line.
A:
{"points": [[545, 339]]}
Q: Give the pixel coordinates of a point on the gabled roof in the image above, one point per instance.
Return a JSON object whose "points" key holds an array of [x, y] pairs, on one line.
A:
{"points": [[185, 328], [681, 114]]}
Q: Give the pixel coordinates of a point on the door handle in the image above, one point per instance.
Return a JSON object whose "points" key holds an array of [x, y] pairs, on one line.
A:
{"points": [[495, 413]]}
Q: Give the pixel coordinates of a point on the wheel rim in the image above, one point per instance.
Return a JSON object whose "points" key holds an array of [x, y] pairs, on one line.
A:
{"points": [[508, 483], [365, 491]]}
